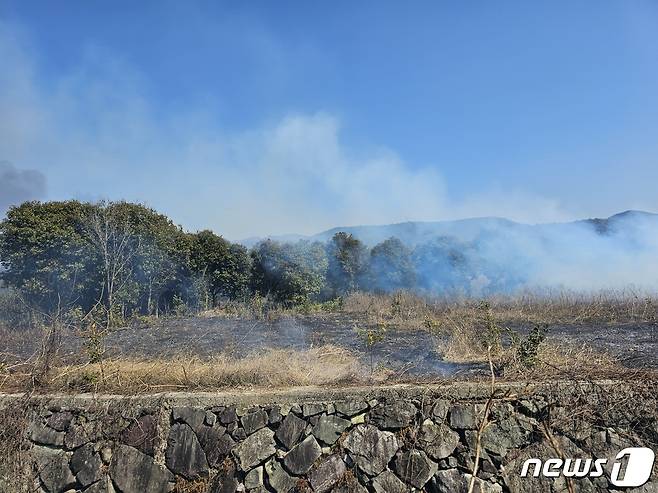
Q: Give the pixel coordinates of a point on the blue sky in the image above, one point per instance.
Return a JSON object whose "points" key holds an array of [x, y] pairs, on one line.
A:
{"points": [[256, 118]]}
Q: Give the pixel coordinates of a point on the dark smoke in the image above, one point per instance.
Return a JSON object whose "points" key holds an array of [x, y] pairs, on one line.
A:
{"points": [[17, 186]]}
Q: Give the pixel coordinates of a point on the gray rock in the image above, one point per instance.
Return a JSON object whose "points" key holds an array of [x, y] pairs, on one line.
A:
{"points": [[228, 415], [466, 416], [531, 407], [106, 455], [300, 459], [440, 409], [278, 478], [254, 478], [92, 472], [77, 435], [86, 465], [329, 428], [396, 415], [274, 415], [102, 486], [387, 482], [225, 444], [184, 454], [44, 435], [351, 407], [254, 421], [454, 481], [141, 434], [60, 421], [312, 408], [239, 434], [290, 431], [135, 472], [81, 456], [327, 473], [53, 467], [414, 467], [370, 448], [450, 481], [216, 443], [504, 435], [210, 419], [255, 449], [189, 415], [437, 440]]}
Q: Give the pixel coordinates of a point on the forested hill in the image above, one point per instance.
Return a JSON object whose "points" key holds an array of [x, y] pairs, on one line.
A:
{"points": [[416, 232]]}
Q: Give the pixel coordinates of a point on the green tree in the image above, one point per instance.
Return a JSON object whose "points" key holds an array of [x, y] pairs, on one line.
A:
{"points": [[223, 267], [390, 268], [45, 254], [289, 273], [65, 255], [347, 261], [144, 257]]}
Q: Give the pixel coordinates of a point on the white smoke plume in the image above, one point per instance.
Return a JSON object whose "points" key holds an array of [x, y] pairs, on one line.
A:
{"points": [[95, 132]]}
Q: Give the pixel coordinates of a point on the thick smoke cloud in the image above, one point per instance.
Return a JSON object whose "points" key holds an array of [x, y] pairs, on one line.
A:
{"points": [[95, 132], [575, 256], [17, 185]]}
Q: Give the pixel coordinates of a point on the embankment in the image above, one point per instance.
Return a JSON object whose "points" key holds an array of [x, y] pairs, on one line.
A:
{"points": [[377, 439]]}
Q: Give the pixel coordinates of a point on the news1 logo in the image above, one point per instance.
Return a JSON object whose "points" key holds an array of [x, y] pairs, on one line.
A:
{"points": [[639, 464]]}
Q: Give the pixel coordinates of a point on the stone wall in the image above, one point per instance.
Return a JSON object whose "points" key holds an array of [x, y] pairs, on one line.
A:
{"points": [[392, 439]]}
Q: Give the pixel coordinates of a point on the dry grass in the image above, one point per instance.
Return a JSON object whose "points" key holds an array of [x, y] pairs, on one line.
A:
{"points": [[576, 362], [467, 327], [562, 361], [191, 486], [559, 307], [327, 365], [14, 461], [259, 308]]}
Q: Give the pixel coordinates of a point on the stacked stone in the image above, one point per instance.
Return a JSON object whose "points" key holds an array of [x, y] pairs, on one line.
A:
{"points": [[385, 445]]}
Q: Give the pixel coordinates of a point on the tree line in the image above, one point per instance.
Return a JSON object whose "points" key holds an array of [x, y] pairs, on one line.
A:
{"points": [[120, 259]]}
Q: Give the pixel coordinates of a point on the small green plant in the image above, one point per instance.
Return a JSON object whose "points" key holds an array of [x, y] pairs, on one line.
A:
{"points": [[94, 343], [86, 381], [179, 306], [370, 338], [492, 331], [332, 305], [396, 305], [258, 306], [528, 350]]}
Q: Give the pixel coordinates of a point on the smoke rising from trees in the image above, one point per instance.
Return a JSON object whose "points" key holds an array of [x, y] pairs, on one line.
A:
{"points": [[116, 259]]}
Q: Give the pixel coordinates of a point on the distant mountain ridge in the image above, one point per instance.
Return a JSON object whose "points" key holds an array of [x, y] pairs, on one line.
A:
{"points": [[417, 232]]}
